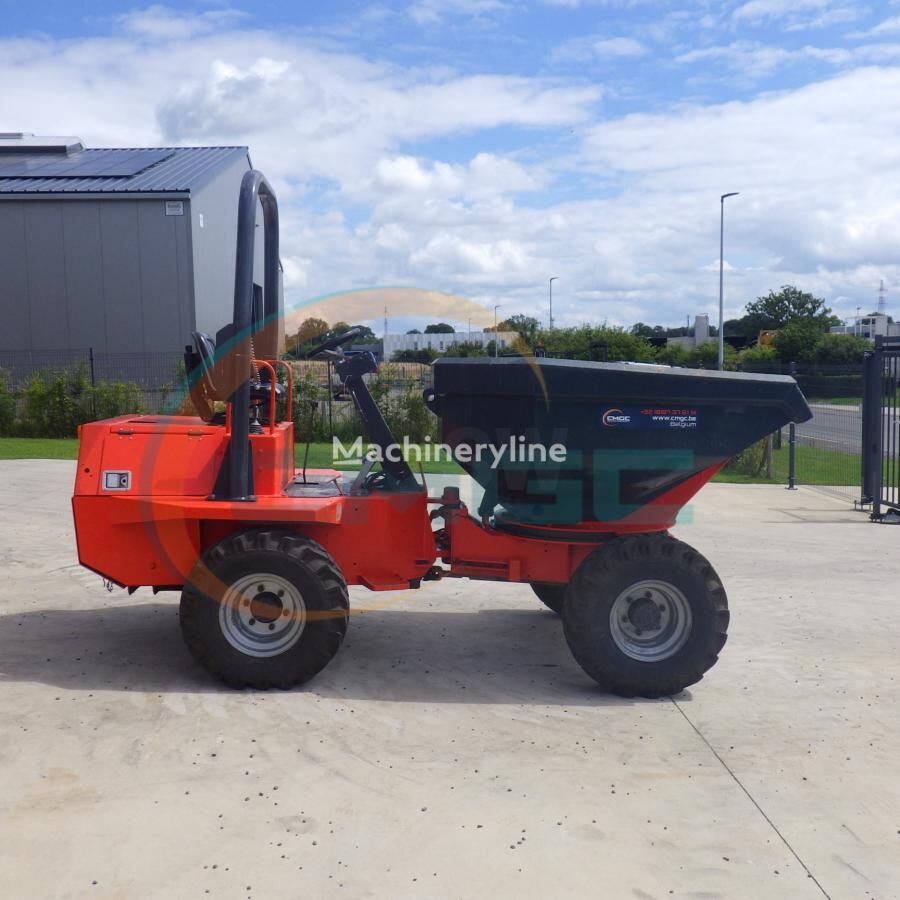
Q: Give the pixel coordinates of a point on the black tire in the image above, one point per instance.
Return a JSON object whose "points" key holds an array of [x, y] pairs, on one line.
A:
{"points": [[551, 595], [212, 608], [689, 596]]}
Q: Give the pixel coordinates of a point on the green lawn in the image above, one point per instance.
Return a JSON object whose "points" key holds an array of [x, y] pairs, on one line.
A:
{"points": [[67, 448], [319, 457], [816, 466], [813, 466], [38, 448]]}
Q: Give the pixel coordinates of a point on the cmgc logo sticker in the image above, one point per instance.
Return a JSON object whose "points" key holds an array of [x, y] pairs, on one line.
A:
{"points": [[613, 417]]}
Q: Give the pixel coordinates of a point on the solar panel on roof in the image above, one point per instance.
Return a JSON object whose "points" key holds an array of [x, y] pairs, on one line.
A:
{"points": [[87, 164]]}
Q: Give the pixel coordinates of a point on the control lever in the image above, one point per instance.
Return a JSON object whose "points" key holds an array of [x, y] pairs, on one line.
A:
{"points": [[363, 474]]}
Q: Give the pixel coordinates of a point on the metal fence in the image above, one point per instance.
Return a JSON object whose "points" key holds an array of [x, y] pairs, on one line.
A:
{"points": [[881, 429], [825, 452], [158, 376], [326, 410]]}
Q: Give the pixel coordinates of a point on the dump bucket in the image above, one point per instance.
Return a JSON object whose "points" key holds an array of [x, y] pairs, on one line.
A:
{"points": [[581, 442]]}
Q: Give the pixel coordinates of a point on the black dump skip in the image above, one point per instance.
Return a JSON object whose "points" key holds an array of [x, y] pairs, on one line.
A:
{"points": [[629, 431]]}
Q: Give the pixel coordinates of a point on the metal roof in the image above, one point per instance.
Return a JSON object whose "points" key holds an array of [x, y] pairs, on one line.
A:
{"points": [[104, 171]]}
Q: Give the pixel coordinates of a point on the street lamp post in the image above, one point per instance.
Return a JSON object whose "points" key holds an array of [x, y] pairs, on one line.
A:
{"points": [[496, 339], [554, 278], [722, 276]]}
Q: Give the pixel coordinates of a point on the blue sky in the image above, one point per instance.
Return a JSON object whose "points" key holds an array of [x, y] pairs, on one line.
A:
{"points": [[477, 147]]}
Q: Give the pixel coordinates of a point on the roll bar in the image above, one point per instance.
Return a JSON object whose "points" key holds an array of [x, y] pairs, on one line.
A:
{"points": [[254, 187]]}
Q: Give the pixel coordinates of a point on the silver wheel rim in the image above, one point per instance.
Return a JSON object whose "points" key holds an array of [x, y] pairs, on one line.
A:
{"points": [[650, 621], [262, 615]]}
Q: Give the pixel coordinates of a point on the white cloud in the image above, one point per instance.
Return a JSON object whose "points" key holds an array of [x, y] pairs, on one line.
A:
{"points": [[885, 27], [619, 46], [433, 12], [469, 261], [165, 23], [585, 49], [754, 60], [341, 137], [486, 175], [797, 15]]}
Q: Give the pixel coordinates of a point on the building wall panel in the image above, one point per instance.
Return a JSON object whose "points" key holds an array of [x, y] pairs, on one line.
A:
{"points": [[47, 276], [84, 274], [16, 331]]}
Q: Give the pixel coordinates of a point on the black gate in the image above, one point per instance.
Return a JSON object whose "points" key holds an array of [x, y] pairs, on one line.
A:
{"points": [[881, 428]]}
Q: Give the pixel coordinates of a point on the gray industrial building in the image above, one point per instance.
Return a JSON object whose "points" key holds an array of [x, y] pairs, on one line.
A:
{"points": [[116, 250]]}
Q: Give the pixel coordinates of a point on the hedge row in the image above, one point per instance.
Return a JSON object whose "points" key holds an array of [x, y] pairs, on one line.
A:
{"points": [[54, 405]]}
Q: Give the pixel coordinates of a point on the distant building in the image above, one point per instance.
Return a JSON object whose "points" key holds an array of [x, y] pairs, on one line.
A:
{"points": [[700, 336], [375, 349], [870, 326], [117, 250], [440, 343]]}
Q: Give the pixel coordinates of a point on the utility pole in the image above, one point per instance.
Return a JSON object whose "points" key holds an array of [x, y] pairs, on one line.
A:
{"points": [[496, 338], [722, 276], [554, 278]]}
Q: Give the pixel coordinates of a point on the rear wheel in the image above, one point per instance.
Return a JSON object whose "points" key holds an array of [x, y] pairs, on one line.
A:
{"points": [[264, 608], [645, 615], [551, 595]]}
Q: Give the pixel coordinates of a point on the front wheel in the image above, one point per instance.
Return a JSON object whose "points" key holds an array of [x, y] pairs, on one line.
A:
{"points": [[645, 615], [551, 595], [264, 608]]}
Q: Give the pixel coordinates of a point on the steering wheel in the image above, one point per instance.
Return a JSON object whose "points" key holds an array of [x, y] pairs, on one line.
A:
{"points": [[333, 342], [206, 350], [201, 387]]}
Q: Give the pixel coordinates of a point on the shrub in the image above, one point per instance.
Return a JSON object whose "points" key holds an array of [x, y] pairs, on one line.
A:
{"points": [[673, 355], [751, 461], [706, 356], [309, 411], [114, 398], [761, 355], [55, 405], [840, 349], [7, 407]]}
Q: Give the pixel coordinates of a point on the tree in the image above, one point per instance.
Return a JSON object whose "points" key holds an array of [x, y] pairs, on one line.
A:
{"points": [[840, 349], [706, 356], [425, 355], [466, 348], [759, 355], [310, 329], [439, 328], [796, 341], [366, 335], [524, 326], [790, 304], [673, 355], [576, 343]]}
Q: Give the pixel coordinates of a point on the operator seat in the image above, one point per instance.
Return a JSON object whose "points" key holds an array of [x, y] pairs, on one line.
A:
{"points": [[203, 371]]}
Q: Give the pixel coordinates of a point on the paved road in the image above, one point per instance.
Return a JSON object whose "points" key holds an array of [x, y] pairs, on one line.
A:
{"points": [[833, 427], [453, 748]]}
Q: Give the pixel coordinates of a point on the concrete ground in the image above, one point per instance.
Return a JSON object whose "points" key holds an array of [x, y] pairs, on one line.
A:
{"points": [[453, 748]]}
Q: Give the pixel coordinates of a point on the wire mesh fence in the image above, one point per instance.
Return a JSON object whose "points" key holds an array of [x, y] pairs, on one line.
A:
{"points": [[157, 376], [827, 449]]}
